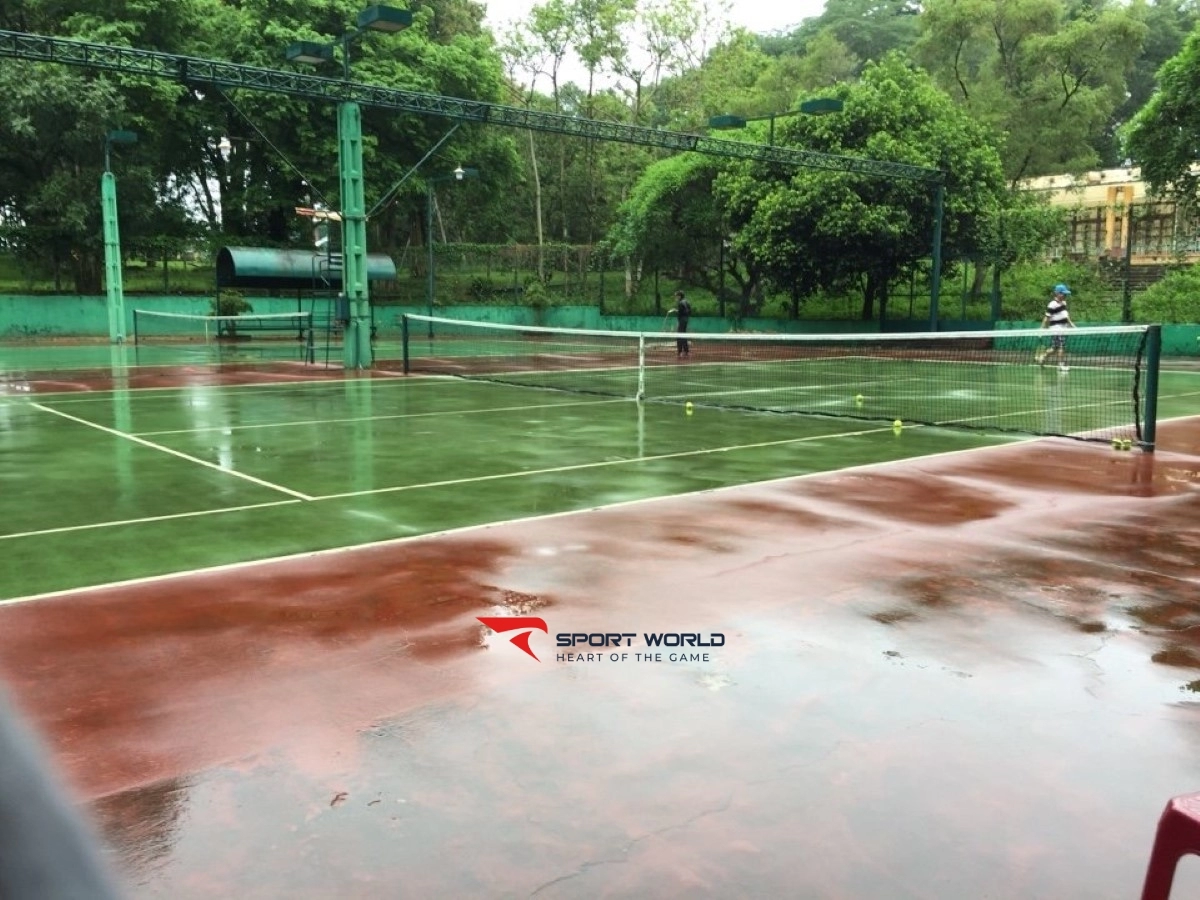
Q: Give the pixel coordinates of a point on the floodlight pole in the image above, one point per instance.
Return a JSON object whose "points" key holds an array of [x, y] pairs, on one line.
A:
{"points": [[429, 251], [356, 343], [357, 339], [113, 280], [935, 276]]}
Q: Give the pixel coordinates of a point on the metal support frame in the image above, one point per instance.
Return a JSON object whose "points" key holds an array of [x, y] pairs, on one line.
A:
{"points": [[114, 283], [113, 278], [356, 343], [429, 249], [206, 73]]}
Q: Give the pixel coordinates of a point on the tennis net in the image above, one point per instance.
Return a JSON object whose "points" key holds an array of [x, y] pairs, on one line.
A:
{"points": [[270, 335], [1102, 388]]}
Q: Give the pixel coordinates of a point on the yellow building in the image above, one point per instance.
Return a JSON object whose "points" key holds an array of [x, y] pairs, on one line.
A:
{"points": [[1103, 203]]}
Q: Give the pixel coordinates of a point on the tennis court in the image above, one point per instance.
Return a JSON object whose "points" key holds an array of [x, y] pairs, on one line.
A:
{"points": [[242, 603]]}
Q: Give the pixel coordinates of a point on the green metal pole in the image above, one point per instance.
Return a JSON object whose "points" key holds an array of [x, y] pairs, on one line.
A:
{"points": [[1150, 410], [935, 279], [357, 345], [114, 286], [429, 250], [404, 341]]}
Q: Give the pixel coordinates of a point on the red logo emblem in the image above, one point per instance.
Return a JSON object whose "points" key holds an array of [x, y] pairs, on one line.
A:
{"points": [[523, 624]]}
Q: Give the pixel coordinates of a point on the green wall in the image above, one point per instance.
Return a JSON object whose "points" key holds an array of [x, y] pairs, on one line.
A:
{"points": [[72, 316], [66, 316]]}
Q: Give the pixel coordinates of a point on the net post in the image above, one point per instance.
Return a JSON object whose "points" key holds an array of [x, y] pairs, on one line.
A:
{"points": [[404, 339], [135, 328], [1150, 406], [641, 388]]}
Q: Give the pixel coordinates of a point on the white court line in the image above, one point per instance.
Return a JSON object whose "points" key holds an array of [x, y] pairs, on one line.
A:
{"points": [[62, 529], [243, 389], [431, 484], [467, 529], [420, 415], [1006, 442], [485, 526], [176, 453], [603, 463]]}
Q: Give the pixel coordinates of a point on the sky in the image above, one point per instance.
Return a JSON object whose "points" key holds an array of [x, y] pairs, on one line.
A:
{"points": [[759, 16]]}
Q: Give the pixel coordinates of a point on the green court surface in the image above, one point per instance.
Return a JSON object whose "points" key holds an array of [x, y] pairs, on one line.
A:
{"points": [[101, 484]]}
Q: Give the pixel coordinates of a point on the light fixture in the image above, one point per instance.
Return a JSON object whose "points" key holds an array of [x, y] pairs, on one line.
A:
{"points": [[378, 17], [309, 52], [726, 121], [821, 106]]}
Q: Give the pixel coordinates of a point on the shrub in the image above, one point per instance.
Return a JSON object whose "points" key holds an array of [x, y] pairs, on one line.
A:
{"points": [[1173, 300], [1026, 288], [229, 303]]}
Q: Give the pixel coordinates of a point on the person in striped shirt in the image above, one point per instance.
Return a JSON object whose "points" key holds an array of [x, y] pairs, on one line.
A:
{"points": [[1057, 319]]}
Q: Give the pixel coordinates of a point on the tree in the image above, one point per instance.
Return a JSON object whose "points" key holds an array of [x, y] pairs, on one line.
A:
{"points": [[810, 228], [670, 221], [869, 29], [1046, 75], [1168, 23], [283, 149], [1164, 137]]}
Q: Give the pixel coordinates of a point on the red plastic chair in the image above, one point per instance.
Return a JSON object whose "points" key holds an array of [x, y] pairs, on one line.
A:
{"points": [[1178, 835]]}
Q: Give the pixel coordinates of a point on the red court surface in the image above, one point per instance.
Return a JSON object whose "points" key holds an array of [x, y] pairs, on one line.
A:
{"points": [[976, 675]]}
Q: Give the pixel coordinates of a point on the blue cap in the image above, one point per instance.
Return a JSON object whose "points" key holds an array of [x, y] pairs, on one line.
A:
{"points": [[1062, 289]]}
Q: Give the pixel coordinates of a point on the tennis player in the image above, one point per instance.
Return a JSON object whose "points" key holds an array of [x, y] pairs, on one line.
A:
{"points": [[683, 310], [1057, 319]]}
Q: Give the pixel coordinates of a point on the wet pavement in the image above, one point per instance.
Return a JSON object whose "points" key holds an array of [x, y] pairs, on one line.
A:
{"points": [[971, 676]]}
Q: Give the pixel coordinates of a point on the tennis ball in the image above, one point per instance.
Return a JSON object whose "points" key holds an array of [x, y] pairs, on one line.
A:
{"points": [[858, 399], [1117, 443], [688, 405], [1126, 444], [897, 424]]}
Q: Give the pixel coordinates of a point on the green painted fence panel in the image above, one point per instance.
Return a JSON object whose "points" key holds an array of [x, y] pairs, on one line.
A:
{"points": [[25, 317]]}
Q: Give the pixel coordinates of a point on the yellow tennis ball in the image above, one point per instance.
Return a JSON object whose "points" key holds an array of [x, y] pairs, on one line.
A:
{"points": [[1126, 444], [897, 424], [688, 406], [858, 399], [1117, 443]]}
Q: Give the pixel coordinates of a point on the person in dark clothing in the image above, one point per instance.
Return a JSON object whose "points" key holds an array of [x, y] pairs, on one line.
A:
{"points": [[47, 850], [683, 310]]}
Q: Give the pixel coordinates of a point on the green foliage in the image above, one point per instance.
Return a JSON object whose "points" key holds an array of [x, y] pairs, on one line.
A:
{"points": [[1021, 229], [669, 220], [536, 294], [810, 229], [1173, 300], [230, 303], [1026, 289], [1168, 23], [1046, 74], [1162, 136], [868, 29]]}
